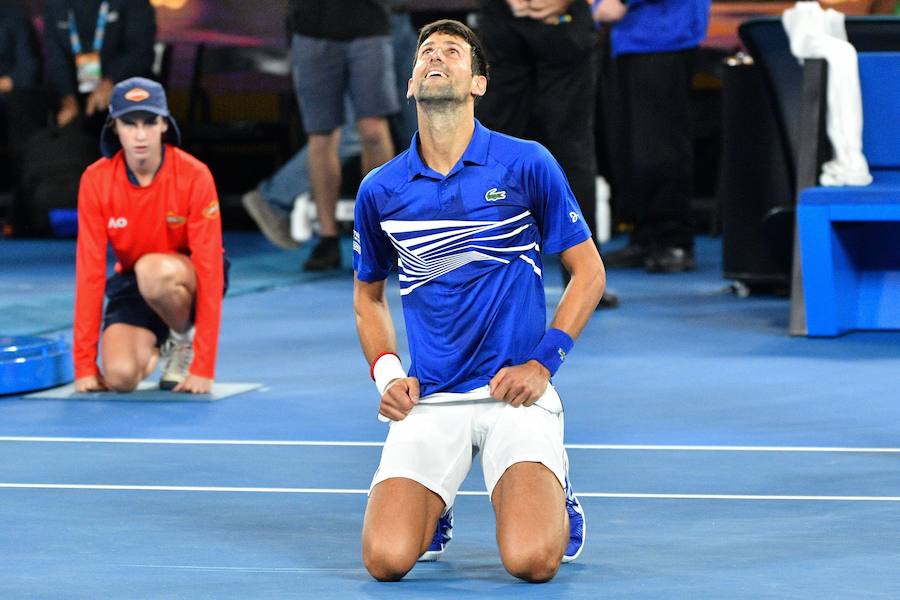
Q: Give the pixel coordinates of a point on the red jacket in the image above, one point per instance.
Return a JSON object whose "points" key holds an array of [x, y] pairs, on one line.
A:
{"points": [[177, 212]]}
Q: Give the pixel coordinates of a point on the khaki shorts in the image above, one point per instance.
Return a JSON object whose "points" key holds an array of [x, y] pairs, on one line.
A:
{"points": [[436, 443]]}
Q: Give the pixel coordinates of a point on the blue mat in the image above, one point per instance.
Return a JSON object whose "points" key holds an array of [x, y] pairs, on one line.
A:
{"points": [[148, 391]]}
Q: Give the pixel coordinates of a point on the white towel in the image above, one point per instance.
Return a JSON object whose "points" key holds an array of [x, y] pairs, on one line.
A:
{"points": [[817, 33]]}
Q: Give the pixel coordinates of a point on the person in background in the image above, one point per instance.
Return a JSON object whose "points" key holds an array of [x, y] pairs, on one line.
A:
{"points": [[543, 86], [90, 45], [271, 202], [653, 45], [20, 102], [341, 47]]}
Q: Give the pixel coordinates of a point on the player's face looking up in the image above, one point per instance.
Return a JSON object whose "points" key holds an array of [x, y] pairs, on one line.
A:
{"points": [[141, 135], [442, 73]]}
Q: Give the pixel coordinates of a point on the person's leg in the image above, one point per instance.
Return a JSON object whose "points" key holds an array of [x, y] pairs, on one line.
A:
{"points": [[403, 39], [627, 199], [532, 523], [320, 70], [524, 464], [377, 145], [400, 520], [128, 354], [325, 178], [168, 283], [132, 334], [288, 182], [662, 155], [373, 91], [271, 203], [425, 459]]}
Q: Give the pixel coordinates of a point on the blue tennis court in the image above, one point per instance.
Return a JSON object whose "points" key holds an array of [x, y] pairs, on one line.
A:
{"points": [[715, 456]]}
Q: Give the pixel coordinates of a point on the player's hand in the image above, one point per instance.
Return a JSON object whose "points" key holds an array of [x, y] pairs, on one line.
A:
{"points": [[610, 11], [548, 10], [6, 84], [68, 110], [520, 385], [98, 101], [194, 384], [401, 395], [91, 383]]}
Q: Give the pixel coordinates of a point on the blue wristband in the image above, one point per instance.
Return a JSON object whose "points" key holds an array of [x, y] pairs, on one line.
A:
{"points": [[551, 351]]}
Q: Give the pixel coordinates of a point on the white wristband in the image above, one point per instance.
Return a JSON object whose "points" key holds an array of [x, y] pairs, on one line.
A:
{"points": [[385, 370]]}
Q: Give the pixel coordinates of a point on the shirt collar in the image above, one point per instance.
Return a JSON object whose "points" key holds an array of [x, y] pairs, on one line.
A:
{"points": [[476, 153]]}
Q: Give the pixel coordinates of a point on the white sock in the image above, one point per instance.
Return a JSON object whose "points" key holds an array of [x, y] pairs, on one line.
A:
{"points": [[185, 337]]}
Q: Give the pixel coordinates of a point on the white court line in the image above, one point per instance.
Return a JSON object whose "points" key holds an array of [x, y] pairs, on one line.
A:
{"points": [[619, 447], [185, 442], [269, 490], [248, 569]]}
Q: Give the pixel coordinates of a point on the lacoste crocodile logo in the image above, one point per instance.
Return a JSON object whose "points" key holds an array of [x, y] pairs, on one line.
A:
{"points": [[492, 195]]}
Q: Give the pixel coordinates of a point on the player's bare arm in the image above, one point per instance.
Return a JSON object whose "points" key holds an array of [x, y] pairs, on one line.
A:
{"points": [[580, 298], [378, 339], [523, 385]]}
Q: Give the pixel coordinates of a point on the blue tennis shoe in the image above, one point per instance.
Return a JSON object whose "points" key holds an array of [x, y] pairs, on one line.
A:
{"points": [[576, 525], [442, 535]]}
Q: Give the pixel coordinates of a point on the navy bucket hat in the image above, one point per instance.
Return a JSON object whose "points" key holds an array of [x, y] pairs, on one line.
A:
{"points": [[137, 94]]}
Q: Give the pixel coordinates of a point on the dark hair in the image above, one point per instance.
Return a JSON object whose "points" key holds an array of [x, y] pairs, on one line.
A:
{"points": [[455, 28]]}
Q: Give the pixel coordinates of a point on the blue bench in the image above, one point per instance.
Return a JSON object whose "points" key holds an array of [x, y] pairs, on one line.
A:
{"points": [[850, 236]]}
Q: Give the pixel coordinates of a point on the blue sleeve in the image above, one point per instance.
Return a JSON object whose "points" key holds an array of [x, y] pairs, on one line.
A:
{"points": [[372, 252], [554, 205]]}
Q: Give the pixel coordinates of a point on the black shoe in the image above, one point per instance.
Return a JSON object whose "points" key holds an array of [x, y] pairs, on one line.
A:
{"points": [[609, 300], [629, 257], [325, 256], [670, 260]]}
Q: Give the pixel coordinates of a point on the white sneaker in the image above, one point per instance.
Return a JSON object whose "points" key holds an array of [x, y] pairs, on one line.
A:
{"points": [[177, 354]]}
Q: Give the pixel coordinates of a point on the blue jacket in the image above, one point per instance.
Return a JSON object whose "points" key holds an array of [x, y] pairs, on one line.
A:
{"points": [[660, 26]]}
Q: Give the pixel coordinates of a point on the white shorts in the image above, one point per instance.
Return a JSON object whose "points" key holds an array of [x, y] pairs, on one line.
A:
{"points": [[435, 444]]}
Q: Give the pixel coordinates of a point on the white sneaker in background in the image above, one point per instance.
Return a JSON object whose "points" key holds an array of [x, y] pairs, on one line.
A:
{"points": [[176, 355]]}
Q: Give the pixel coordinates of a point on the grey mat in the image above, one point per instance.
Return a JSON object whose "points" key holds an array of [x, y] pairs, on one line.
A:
{"points": [[148, 391]]}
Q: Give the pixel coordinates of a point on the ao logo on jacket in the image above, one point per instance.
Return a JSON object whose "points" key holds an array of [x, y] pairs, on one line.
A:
{"points": [[117, 223]]}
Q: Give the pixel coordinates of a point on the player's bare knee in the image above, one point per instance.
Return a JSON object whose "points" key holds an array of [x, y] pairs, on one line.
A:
{"points": [[121, 375], [157, 277], [535, 564], [387, 562]]}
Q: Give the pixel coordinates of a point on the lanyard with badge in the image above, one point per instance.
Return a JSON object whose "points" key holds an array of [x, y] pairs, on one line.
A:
{"points": [[87, 64]]}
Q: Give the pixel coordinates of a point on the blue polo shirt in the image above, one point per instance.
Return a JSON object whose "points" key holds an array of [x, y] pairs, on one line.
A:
{"points": [[469, 248]]}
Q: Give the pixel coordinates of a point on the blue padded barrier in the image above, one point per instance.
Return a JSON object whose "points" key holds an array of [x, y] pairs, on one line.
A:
{"points": [[30, 363]]}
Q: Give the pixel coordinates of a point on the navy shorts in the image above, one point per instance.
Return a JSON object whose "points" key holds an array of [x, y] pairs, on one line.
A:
{"points": [[325, 70], [125, 304]]}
